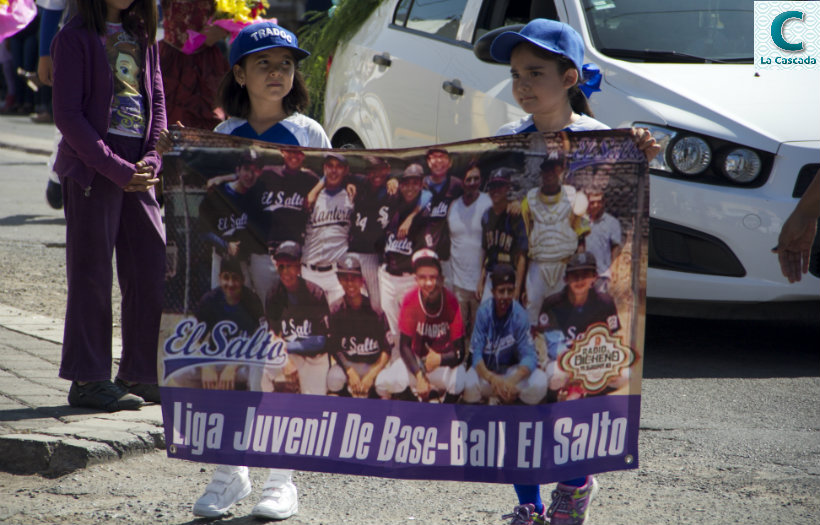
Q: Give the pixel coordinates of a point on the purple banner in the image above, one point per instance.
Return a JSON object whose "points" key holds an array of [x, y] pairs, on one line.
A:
{"points": [[469, 311], [495, 444]]}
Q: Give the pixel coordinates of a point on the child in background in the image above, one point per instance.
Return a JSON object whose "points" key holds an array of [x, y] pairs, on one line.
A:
{"points": [[110, 108], [263, 94], [191, 81], [546, 58]]}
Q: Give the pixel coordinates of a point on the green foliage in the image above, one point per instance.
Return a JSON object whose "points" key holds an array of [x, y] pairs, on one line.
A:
{"points": [[320, 35]]}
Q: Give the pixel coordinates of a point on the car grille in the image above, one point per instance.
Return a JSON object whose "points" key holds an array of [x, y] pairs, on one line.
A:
{"points": [[804, 178], [674, 247]]}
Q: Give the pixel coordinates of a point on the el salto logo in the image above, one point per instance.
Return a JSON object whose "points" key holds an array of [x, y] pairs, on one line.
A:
{"points": [[787, 35]]}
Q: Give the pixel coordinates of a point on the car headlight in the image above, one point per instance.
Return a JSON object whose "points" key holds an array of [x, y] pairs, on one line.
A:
{"points": [[740, 165], [701, 158], [690, 155]]}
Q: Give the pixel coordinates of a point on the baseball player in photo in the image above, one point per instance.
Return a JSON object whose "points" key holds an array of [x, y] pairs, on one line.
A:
{"points": [[567, 315], [371, 213], [553, 215], [396, 274], [444, 188], [328, 228], [432, 336], [503, 235], [229, 220], [503, 354], [230, 301], [464, 224], [284, 212], [297, 311], [605, 238], [358, 338]]}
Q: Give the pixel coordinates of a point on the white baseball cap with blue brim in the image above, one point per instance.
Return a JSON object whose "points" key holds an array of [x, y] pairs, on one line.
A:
{"points": [[550, 35], [261, 36]]}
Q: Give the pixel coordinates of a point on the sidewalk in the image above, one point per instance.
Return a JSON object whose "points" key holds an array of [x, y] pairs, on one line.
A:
{"points": [[39, 432], [18, 132]]}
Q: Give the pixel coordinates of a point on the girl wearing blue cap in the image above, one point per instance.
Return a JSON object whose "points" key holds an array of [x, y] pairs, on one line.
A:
{"points": [[546, 59], [263, 94]]}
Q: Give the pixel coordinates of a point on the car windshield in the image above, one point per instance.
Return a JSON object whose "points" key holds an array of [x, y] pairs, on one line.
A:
{"points": [[673, 30]]}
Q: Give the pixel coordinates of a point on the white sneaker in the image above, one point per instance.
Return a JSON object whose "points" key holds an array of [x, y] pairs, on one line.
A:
{"points": [[279, 500], [229, 485]]}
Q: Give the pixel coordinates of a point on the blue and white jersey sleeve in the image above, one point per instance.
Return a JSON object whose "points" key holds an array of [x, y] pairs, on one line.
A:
{"points": [[526, 125], [307, 131], [226, 127], [296, 130], [522, 125]]}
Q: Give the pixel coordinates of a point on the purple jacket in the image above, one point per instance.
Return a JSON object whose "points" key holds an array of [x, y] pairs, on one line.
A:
{"points": [[82, 95]]}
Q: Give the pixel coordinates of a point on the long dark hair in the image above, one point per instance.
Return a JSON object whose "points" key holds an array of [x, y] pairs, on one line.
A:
{"points": [[577, 100], [138, 20], [235, 101]]}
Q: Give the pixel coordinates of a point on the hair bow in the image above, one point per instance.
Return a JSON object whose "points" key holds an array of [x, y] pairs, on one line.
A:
{"points": [[591, 76]]}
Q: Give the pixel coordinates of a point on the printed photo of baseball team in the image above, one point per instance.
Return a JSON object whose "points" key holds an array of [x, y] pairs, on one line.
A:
{"points": [[435, 277]]}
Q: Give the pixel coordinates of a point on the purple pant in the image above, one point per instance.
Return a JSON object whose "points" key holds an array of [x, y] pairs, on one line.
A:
{"points": [[99, 221]]}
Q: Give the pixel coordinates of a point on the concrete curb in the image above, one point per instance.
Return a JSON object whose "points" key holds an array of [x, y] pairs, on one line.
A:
{"points": [[25, 149], [39, 432]]}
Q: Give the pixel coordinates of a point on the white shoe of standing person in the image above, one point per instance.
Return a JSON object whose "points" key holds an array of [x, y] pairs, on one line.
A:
{"points": [[279, 500], [228, 486]]}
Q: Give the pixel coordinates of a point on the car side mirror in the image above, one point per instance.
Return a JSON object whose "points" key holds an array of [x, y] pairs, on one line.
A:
{"points": [[481, 49]]}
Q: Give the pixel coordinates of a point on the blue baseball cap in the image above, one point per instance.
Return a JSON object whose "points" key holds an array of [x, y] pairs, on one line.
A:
{"points": [[550, 35], [264, 35]]}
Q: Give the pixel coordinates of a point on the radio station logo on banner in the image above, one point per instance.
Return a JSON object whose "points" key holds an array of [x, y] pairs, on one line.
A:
{"points": [[787, 35]]}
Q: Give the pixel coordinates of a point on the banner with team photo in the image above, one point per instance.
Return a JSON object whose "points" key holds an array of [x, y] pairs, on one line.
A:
{"points": [[307, 324]]}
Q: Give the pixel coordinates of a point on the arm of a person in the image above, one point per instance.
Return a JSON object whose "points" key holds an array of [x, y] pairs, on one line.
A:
{"points": [[70, 69], [308, 346], [526, 216], [411, 360], [520, 272], [452, 353], [49, 24], [227, 378], [798, 232], [524, 346], [485, 373], [616, 242], [370, 377], [478, 339], [482, 278], [158, 115]]}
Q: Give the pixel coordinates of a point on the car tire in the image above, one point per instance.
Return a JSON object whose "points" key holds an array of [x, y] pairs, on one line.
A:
{"points": [[347, 141]]}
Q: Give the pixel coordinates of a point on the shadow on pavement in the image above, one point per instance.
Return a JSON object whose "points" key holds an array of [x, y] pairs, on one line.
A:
{"points": [[703, 348], [23, 220]]}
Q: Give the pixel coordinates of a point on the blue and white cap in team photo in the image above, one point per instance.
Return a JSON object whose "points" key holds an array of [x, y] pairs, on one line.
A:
{"points": [[550, 35], [264, 35]]}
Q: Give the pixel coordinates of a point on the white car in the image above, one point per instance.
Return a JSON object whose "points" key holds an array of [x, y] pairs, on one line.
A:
{"points": [[739, 146]]}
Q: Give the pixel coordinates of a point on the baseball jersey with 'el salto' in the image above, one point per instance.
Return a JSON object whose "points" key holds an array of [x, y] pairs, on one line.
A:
{"points": [[357, 335], [300, 315]]}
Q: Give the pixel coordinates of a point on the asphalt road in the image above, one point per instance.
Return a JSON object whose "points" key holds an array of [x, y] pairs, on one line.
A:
{"points": [[730, 426]]}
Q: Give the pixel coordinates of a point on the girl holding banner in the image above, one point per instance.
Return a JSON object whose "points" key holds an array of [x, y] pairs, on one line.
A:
{"points": [[263, 93], [546, 58]]}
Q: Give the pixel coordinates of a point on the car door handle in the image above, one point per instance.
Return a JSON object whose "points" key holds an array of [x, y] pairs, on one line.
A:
{"points": [[452, 88], [382, 60]]}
